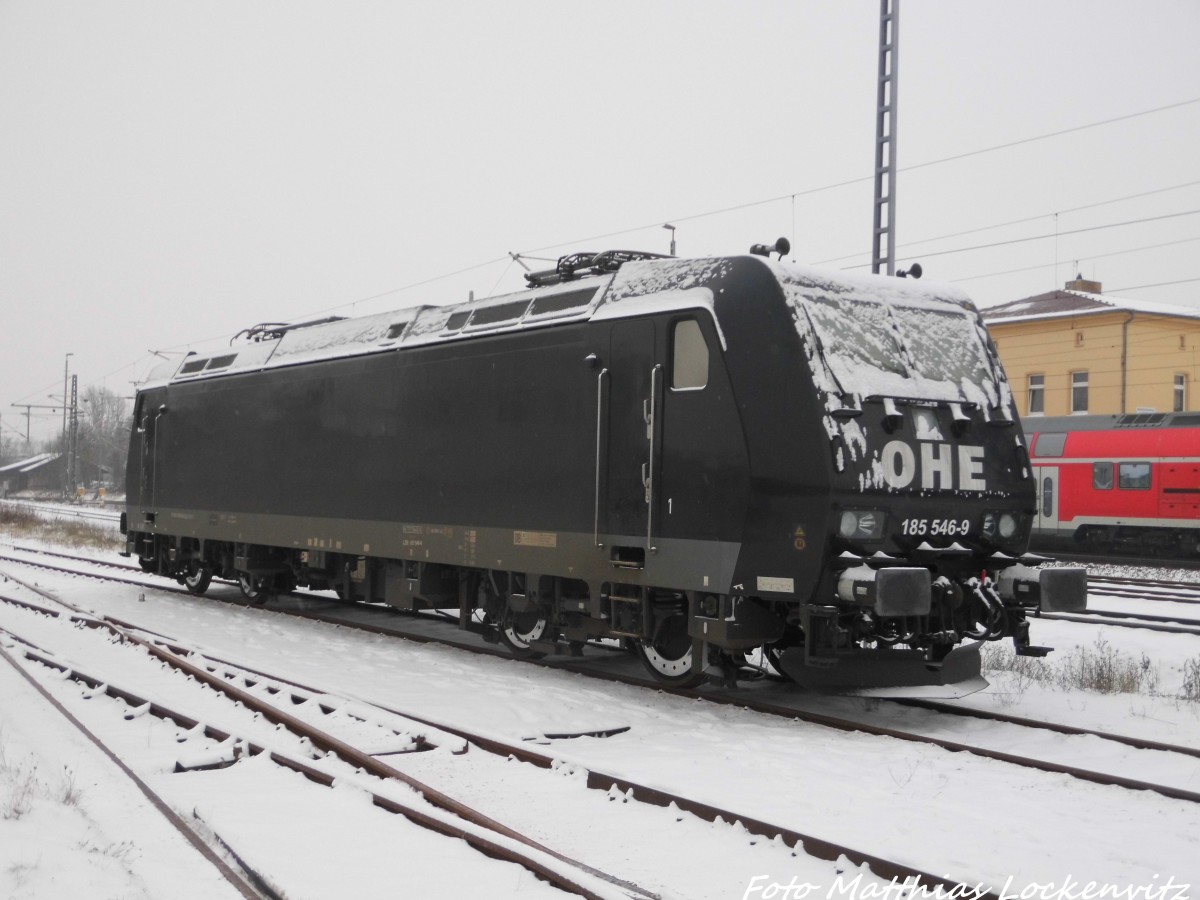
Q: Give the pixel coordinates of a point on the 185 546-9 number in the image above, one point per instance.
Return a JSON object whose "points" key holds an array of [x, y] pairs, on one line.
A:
{"points": [[935, 527]]}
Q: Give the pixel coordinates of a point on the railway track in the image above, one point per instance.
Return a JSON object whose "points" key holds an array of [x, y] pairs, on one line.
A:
{"points": [[1073, 557], [274, 697], [769, 697], [1146, 589], [1144, 621], [1183, 596]]}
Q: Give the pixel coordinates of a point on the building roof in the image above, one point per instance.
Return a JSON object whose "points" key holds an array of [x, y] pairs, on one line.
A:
{"points": [[25, 466], [1071, 304]]}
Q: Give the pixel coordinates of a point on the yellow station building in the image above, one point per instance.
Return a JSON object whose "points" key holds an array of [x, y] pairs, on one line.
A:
{"points": [[1076, 351]]}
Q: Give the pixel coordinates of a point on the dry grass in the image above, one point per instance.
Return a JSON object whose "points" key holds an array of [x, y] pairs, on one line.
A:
{"points": [[21, 788], [21, 522], [1100, 668], [1191, 680]]}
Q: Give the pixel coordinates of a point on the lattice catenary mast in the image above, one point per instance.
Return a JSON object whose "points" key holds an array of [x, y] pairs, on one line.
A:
{"points": [[885, 139]]}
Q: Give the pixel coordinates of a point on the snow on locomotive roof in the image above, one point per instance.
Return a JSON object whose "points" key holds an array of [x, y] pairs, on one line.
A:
{"points": [[936, 351], [847, 313], [409, 327]]}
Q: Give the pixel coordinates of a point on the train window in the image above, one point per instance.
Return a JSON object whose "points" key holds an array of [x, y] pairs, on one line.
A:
{"points": [[1135, 476], [457, 320], [1050, 444], [561, 303], [192, 366], [220, 362], [943, 345], [1102, 476], [689, 353], [504, 312]]}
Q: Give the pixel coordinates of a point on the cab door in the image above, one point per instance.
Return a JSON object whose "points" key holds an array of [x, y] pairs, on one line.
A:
{"points": [[626, 485]]}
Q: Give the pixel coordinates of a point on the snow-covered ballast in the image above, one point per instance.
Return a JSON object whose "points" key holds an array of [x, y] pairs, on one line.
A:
{"points": [[699, 457]]}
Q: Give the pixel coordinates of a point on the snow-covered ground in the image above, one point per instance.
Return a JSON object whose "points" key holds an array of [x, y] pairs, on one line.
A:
{"points": [[974, 820]]}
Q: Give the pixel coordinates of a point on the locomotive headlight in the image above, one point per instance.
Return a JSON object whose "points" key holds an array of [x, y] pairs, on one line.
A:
{"points": [[861, 524], [1002, 525], [1008, 526]]}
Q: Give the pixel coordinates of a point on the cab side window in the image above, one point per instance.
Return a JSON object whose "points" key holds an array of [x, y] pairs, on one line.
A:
{"points": [[689, 355]]}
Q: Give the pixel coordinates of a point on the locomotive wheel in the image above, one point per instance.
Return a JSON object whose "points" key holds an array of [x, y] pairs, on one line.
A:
{"points": [[253, 589], [147, 563], [668, 657], [519, 630], [197, 578]]}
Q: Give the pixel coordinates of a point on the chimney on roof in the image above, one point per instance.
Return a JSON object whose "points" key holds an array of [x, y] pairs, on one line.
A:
{"points": [[1082, 284]]}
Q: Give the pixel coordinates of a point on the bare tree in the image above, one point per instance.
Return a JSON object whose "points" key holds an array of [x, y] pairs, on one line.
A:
{"points": [[104, 423]]}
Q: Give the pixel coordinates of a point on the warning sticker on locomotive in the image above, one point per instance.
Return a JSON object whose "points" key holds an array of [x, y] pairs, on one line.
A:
{"points": [[547, 539], [935, 527]]}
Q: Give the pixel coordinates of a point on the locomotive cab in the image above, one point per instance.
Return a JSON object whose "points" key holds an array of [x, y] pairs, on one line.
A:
{"points": [[928, 490]]}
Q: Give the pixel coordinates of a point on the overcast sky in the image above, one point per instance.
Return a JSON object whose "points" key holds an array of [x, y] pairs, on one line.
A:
{"points": [[173, 172]]}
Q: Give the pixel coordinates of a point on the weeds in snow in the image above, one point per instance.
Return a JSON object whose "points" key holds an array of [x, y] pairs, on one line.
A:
{"points": [[1100, 668], [122, 852], [20, 521], [20, 788], [1191, 680]]}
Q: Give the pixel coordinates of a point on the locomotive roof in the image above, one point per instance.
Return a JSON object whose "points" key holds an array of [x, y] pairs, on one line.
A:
{"points": [[639, 286]]}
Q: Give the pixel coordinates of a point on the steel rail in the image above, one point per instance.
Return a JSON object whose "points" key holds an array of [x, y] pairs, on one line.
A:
{"points": [[770, 708], [970, 712], [239, 882], [596, 780], [356, 758], [1122, 620]]}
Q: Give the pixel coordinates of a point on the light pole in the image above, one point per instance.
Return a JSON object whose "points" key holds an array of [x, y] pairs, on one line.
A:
{"points": [[671, 228], [66, 474]]}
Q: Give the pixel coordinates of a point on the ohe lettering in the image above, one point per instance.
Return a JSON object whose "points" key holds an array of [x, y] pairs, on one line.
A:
{"points": [[939, 468]]}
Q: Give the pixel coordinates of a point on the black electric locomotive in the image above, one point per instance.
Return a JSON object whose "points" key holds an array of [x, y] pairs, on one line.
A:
{"points": [[702, 457]]}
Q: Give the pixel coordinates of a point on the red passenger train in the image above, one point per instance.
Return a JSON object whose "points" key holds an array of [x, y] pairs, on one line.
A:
{"points": [[1127, 483]]}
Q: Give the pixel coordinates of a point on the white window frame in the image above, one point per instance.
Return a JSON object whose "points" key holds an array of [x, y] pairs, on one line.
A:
{"points": [[1079, 381], [1180, 396], [1040, 390]]}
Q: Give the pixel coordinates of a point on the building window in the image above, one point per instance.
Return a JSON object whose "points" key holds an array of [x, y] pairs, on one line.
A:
{"points": [[1180, 392], [1079, 392], [1102, 476], [690, 369], [1135, 476], [1037, 395]]}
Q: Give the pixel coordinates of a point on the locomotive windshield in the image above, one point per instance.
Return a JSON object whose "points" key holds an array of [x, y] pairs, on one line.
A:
{"points": [[899, 346]]}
